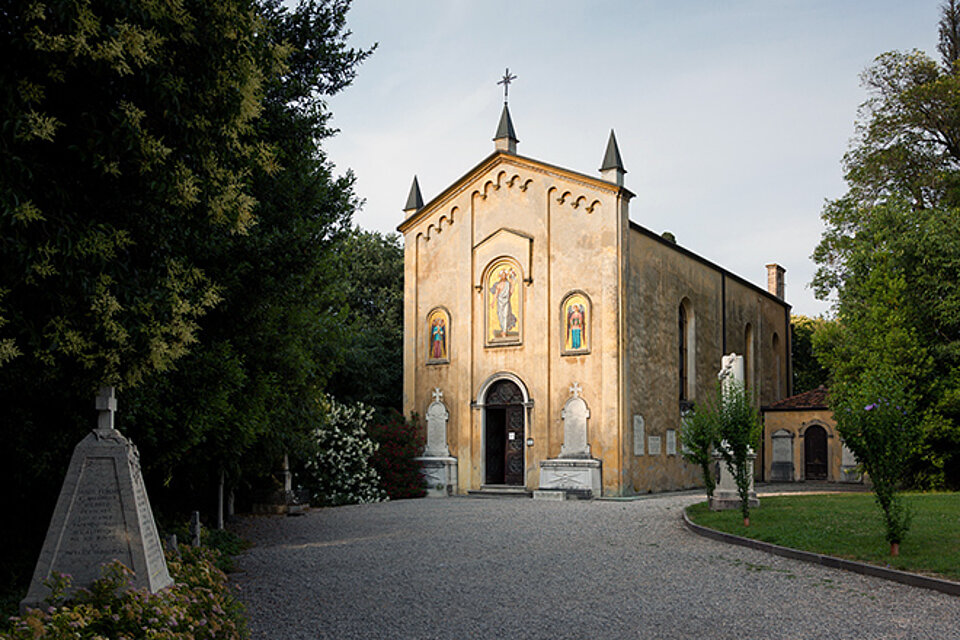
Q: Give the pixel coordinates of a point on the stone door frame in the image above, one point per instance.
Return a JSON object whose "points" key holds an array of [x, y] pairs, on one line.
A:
{"points": [[826, 448], [480, 403]]}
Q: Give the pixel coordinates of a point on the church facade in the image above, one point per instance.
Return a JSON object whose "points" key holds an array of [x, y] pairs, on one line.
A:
{"points": [[552, 343]]}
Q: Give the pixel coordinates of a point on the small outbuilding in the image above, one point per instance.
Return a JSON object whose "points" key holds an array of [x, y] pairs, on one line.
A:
{"points": [[801, 442]]}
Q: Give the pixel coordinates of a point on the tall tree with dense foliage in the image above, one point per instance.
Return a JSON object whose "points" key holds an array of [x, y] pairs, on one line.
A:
{"points": [[808, 372], [370, 277], [890, 254], [168, 223]]}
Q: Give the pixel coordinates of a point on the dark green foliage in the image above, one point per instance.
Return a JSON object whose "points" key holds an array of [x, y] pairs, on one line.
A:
{"points": [[697, 438], [877, 418], [370, 277], [185, 253], [399, 441], [199, 605], [891, 250], [808, 372]]}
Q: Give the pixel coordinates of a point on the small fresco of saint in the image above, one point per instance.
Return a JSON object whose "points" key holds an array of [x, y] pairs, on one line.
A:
{"points": [[438, 335], [503, 285], [575, 323]]}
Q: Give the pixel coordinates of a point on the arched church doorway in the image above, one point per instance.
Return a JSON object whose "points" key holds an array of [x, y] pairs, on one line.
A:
{"points": [[815, 453], [503, 434]]}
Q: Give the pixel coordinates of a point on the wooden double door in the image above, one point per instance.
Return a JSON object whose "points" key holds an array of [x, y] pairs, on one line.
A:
{"points": [[504, 434]]}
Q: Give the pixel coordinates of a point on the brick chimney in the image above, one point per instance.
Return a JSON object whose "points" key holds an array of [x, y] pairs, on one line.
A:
{"points": [[776, 284]]}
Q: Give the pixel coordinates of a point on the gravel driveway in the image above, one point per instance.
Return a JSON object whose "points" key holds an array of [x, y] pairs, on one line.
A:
{"points": [[519, 568]]}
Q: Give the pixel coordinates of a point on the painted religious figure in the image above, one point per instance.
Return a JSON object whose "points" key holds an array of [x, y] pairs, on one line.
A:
{"points": [[438, 330], [575, 314], [503, 303]]}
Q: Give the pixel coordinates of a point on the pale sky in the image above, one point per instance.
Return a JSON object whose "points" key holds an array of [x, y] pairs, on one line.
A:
{"points": [[732, 117]]}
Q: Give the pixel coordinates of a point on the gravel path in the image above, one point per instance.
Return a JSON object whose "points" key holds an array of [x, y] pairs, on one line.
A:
{"points": [[515, 568]]}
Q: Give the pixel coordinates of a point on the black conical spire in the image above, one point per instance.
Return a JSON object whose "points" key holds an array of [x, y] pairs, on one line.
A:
{"points": [[505, 128], [414, 200], [611, 159]]}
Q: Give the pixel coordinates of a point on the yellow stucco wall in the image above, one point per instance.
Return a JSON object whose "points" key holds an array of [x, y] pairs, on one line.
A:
{"points": [[796, 423], [562, 230], [660, 278], [569, 232]]}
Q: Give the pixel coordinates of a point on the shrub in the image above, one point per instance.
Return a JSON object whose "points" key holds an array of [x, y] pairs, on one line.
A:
{"points": [[399, 442], [339, 471], [199, 605]]}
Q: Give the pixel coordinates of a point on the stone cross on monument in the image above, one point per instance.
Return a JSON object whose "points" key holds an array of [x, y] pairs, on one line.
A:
{"points": [[106, 406], [437, 394], [576, 390]]}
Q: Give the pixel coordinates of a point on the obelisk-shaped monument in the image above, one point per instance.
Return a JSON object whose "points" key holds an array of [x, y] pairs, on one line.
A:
{"points": [[102, 515]]}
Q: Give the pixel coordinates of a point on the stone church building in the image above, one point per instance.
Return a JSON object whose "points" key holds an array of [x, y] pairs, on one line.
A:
{"points": [[552, 343]]}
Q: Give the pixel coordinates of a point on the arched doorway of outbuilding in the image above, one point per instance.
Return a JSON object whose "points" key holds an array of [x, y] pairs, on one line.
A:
{"points": [[815, 460]]}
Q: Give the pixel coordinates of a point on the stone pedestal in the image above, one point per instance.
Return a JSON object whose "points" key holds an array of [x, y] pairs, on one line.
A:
{"points": [[725, 495], [440, 474], [574, 471], [579, 478]]}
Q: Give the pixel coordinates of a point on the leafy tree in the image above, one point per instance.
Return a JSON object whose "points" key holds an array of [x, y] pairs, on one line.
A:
{"points": [[891, 249], [698, 437], [808, 372], [734, 423], [876, 417], [370, 277], [167, 224]]}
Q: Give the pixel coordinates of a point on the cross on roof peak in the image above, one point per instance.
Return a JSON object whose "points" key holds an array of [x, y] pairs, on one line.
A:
{"points": [[505, 81]]}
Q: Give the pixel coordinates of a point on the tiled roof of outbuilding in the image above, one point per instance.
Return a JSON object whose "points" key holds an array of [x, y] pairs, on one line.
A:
{"points": [[815, 399]]}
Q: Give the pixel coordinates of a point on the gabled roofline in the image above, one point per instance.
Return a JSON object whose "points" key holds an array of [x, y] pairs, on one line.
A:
{"points": [[498, 157], [708, 263]]}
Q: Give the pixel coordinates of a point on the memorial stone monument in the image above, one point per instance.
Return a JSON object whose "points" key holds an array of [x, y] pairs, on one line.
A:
{"points": [[103, 514], [439, 468], [574, 472], [725, 495]]}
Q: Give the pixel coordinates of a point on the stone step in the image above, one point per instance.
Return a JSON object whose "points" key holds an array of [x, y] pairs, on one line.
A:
{"points": [[500, 491]]}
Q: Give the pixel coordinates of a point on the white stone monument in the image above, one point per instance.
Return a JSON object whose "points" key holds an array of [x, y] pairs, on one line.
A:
{"points": [[574, 472], [439, 468], [102, 514], [725, 495]]}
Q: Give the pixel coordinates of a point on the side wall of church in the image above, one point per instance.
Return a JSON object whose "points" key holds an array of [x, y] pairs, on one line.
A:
{"points": [[561, 234], [662, 278]]}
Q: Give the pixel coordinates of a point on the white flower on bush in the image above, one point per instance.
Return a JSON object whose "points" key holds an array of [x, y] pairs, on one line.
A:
{"points": [[339, 472]]}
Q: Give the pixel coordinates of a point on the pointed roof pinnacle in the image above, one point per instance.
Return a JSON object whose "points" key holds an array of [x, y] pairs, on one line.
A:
{"points": [[505, 128], [611, 159], [414, 200]]}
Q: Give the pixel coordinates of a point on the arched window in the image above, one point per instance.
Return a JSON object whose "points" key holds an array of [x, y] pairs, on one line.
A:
{"points": [[686, 341], [778, 384]]}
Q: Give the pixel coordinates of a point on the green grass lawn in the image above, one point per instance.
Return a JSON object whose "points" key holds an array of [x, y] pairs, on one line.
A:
{"points": [[849, 526]]}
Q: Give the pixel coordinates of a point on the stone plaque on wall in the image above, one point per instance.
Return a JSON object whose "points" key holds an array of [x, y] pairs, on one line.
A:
{"points": [[653, 445], [671, 442], [639, 437]]}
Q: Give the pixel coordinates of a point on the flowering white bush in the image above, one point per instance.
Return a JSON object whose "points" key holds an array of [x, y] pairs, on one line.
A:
{"points": [[339, 472]]}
